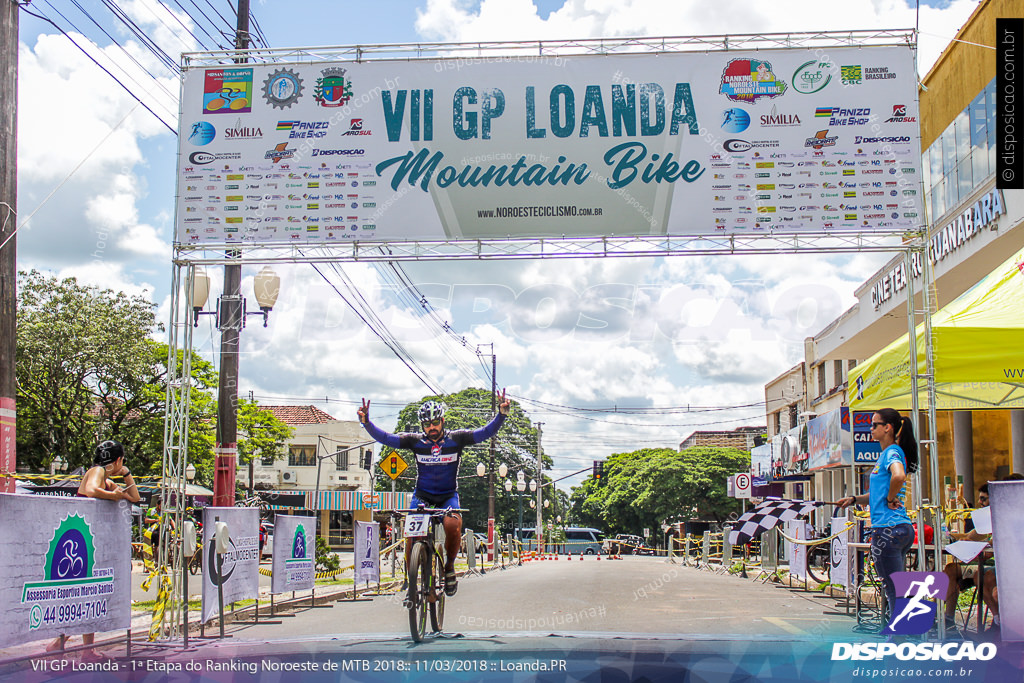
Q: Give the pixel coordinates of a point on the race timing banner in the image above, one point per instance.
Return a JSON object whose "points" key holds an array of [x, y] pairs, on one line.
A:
{"points": [[67, 568], [495, 147]]}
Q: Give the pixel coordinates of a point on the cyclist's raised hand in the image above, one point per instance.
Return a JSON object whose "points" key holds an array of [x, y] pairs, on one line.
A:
{"points": [[505, 404], [363, 412]]}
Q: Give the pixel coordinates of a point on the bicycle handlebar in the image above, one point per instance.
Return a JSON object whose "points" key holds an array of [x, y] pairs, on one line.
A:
{"points": [[431, 511]]}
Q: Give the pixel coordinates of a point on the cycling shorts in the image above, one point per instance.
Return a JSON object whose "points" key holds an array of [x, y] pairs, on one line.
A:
{"points": [[426, 500]]}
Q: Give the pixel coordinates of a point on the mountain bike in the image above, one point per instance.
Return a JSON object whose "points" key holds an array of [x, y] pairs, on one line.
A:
{"points": [[424, 529]]}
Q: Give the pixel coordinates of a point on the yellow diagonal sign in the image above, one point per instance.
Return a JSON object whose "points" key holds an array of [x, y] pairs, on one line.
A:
{"points": [[393, 465]]}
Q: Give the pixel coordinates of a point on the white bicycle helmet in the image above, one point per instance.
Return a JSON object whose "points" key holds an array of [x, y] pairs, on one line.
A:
{"points": [[430, 411]]}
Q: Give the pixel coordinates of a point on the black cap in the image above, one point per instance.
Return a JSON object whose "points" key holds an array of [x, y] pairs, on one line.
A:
{"points": [[108, 452]]}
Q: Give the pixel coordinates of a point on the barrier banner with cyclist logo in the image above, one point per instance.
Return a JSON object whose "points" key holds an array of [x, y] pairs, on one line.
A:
{"points": [[292, 564], [367, 552], [238, 572], [71, 572]]}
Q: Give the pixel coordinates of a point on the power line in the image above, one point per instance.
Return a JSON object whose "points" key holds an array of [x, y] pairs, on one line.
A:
{"points": [[392, 344], [105, 70]]}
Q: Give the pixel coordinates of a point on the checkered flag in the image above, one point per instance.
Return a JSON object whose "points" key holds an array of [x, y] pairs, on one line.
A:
{"points": [[766, 515]]}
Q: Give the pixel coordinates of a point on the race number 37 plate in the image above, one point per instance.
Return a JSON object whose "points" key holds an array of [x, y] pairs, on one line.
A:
{"points": [[416, 525]]}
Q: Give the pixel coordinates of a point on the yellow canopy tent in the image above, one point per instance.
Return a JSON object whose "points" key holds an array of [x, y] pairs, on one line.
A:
{"points": [[978, 352]]}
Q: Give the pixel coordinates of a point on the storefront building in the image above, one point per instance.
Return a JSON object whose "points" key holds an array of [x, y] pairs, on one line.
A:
{"points": [[973, 227]]}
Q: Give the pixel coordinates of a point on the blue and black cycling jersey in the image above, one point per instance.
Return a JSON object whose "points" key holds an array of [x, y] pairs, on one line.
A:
{"points": [[437, 462]]}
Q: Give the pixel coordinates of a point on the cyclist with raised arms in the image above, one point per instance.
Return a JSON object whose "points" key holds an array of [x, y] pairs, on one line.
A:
{"points": [[438, 453]]}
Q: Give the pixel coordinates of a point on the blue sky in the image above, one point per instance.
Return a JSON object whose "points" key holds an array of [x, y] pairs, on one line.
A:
{"points": [[673, 332]]}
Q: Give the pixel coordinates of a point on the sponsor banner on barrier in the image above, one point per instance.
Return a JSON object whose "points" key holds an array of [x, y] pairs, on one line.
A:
{"points": [[293, 558], [238, 572], [717, 142], [797, 552], [366, 552], [71, 570], [839, 555]]}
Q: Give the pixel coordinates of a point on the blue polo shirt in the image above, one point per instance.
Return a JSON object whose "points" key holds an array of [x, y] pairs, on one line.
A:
{"points": [[878, 490]]}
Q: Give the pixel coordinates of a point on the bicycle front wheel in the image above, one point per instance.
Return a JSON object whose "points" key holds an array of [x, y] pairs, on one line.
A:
{"points": [[437, 604], [418, 591]]}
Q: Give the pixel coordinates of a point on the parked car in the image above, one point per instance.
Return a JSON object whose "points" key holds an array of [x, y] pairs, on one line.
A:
{"points": [[626, 544], [578, 540]]}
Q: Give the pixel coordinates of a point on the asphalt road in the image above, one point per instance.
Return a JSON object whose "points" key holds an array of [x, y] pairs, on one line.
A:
{"points": [[637, 595]]}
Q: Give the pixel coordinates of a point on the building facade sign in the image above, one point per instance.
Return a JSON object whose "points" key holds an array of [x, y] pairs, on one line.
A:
{"points": [[942, 243]]}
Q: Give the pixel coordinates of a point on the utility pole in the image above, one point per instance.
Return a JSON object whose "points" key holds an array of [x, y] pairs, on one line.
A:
{"points": [[539, 531], [8, 243], [226, 450], [490, 469]]}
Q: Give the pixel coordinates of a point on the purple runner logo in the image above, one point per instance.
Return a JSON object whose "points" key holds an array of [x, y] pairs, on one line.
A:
{"points": [[915, 608]]}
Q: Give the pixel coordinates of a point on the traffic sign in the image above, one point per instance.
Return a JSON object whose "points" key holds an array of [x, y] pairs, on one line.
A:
{"points": [[393, 465], [742, 484]]}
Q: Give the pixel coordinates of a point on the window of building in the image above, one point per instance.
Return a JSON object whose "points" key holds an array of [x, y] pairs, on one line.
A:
{"points": [[821, 379], [778, 422], [267, 461], [301, 456], [838, 373], [341, 458], [850, 365], [963, 156], [793, 415]]}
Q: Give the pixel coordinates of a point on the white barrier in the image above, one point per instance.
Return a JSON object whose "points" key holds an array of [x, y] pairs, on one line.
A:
{"points": [[65, 566]]}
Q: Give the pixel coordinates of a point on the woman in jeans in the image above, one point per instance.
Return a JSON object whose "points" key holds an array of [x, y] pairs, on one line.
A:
{"points": [[891, 531]]}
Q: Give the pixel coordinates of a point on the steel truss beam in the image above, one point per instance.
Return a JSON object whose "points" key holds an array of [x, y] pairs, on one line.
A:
{"points": [[554, 48], [555, 248]]}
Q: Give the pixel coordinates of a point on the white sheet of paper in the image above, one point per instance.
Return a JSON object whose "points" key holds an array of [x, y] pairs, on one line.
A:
{"points": [[966, 551], [982, 520]]}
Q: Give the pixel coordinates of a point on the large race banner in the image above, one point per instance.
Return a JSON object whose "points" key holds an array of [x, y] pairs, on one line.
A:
{"points": [[292, 564], [722, 142], [238, 574], [66, 567]]}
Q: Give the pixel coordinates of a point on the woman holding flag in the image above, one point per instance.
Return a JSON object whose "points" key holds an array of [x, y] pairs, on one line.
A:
{"points": [[891, 531]]}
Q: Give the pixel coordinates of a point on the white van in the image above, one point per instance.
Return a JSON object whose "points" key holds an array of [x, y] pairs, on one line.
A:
{"points": [[578, 539]]}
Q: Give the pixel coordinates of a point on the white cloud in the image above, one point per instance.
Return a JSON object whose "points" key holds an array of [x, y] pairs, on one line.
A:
{"points": [[452, 20]]}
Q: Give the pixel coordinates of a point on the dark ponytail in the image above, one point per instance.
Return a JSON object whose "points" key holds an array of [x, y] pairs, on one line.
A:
{"points": [[903, 429]]}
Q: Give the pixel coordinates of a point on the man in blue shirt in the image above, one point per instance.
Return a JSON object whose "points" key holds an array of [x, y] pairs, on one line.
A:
{"points": [[438, 453]]}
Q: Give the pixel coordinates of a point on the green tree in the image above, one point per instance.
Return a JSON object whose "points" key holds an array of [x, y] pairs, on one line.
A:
{"points": [[650, 485], [516, 447], [76, 344], [133, 412], [260, 433]]}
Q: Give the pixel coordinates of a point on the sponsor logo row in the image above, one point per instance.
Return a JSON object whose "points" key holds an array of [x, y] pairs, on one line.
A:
{"points": [[202, 133], [738, 119]]}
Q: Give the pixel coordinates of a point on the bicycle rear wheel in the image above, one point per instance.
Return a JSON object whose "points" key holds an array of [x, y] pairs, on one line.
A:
{"points": [[437, 606], [819, 562], [418, 591]]}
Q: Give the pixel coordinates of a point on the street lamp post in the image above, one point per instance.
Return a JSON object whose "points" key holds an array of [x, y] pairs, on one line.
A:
{"points": [[481, 471], [231, 315], [520, 487]]}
